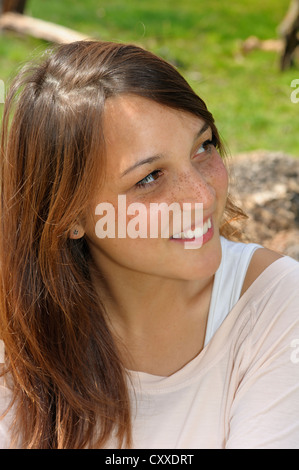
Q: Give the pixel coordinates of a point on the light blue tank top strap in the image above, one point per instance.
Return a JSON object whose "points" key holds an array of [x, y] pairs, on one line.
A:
{"points": [[228, 282]]}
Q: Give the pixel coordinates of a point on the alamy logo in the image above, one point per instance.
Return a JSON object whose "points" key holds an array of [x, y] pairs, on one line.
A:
{"points": [[159, 220], [2, 91], [295, 353], [295, 93], [1, 351]]}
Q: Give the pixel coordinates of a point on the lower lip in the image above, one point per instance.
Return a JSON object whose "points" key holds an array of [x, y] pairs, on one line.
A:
{"points": [[201, 241]]}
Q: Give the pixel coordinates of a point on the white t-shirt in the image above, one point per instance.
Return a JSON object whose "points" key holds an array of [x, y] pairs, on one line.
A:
{"points": [[228, 282], [242, 390]]}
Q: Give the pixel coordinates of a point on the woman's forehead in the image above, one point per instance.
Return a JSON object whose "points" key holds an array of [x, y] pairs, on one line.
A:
{"points": [[138, 129], [132, 122]]}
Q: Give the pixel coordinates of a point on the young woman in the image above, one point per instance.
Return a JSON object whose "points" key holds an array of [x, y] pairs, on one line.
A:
{"points": [[135, 339]]}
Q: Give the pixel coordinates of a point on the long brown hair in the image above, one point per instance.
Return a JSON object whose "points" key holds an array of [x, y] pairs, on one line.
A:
{"points": [[69, 388]]}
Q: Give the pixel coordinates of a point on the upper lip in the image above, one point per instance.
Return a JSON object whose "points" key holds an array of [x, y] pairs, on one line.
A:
{"points": [[193, 227]]}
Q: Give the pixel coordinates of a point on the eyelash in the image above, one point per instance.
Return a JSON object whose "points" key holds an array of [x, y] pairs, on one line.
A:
{"points": [[142, 183], [208, 143]]}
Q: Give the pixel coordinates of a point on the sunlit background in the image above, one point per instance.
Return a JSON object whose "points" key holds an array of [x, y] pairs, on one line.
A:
{"points": [[247, 92]]}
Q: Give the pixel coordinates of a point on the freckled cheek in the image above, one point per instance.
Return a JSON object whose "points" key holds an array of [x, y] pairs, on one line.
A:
{"points": [[218, 176], [220, 185], [223, 178]]}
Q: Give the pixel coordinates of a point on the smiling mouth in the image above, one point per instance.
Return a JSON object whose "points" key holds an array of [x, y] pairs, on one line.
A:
{"points": [[198, 232]]}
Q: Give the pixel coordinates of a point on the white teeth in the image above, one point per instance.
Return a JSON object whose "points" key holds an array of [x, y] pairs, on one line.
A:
{"points": [[189, 234], [197, 233]]}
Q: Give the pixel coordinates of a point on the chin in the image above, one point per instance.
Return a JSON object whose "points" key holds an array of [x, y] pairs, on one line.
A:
{"points": [[198, 264]]}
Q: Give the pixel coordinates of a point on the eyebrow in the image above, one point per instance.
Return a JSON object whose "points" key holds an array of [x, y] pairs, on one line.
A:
{"points": [[154, 158]]}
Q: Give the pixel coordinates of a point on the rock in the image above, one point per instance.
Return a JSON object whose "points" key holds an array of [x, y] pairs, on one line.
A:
{"points": [[266, 186]]}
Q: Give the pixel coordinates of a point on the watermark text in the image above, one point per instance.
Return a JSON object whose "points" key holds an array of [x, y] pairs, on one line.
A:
{"points": [[2, 360], [295, 93], [295, 353], [2, 92], [158, 220]]}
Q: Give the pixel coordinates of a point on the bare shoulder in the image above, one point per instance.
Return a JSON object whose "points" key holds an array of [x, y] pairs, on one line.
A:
{"points": [[261, 259]]}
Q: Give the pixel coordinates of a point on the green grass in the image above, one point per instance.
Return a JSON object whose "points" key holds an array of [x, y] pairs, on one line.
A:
{"points": [[249, 96]]}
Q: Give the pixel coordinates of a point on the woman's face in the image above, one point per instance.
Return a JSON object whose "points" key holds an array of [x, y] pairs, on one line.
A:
{"points": [[156, 155]]}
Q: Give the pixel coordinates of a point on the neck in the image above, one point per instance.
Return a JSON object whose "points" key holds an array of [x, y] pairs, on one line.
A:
{"points": [[139, 299], [156, 320]]}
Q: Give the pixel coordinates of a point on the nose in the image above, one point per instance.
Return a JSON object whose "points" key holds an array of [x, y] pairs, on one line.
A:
{"points": [[194, 194], [194, 186]]}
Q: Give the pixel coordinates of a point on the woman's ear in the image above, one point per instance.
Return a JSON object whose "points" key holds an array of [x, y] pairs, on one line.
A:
{"points": [[76, 232]]}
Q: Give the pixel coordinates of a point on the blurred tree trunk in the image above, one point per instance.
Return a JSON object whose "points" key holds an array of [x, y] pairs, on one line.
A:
{"points": [[16, 6], [289, 30], [13, 20]]}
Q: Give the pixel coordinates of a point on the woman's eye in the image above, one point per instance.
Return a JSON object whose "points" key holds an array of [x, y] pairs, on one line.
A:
{"points": [[206, 146], [149, 179]]}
